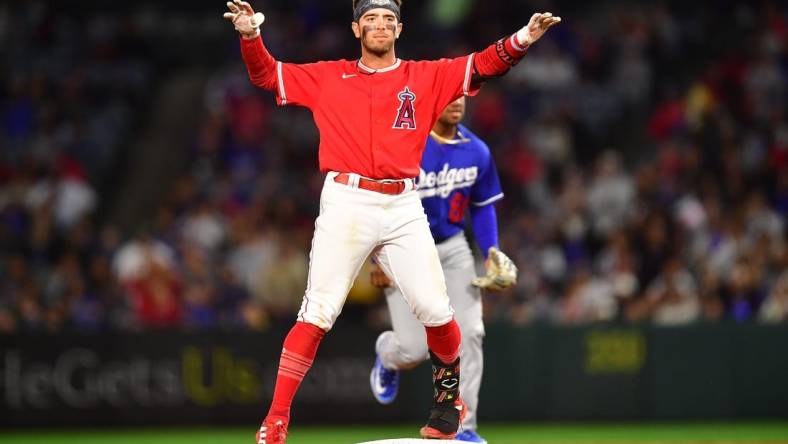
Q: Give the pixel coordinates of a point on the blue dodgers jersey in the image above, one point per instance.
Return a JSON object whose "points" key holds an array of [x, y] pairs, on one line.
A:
{"points": [[454, 176]]}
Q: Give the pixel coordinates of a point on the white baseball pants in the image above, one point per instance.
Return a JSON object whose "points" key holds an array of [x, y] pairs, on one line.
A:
{"points": [[354, 223]]}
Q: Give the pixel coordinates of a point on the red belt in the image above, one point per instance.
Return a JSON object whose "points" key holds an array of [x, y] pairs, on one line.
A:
{"points": [[384, 187]]}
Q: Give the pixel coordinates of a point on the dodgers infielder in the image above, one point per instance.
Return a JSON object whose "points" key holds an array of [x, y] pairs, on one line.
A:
{"points": [[457, 173], [373, 115]]}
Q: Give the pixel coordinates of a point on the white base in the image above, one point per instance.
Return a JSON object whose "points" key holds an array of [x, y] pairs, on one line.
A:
{"points": [[413, 441]]}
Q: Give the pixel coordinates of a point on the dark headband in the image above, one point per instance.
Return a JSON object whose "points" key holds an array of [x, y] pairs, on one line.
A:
{"points": [[365, 5]]}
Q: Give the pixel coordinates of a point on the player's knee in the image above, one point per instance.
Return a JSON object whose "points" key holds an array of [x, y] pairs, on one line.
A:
{"points": [[434, 312], [472, 331], [320, 314], [414, 351], [472, 341], [322, 322]]}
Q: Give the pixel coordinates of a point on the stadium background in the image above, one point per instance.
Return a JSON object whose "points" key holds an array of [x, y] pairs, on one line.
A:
{"points": [[156, 211]]}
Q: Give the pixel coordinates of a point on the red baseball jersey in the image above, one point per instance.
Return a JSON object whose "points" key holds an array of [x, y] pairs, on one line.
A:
{"points": [[374, 122]]}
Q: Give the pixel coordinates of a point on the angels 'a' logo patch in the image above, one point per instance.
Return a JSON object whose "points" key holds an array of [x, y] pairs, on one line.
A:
{"points": [[406, 115]]}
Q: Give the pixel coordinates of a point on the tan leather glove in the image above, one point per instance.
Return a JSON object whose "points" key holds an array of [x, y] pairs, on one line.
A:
{"points": [[501, 272], [242, 16]]}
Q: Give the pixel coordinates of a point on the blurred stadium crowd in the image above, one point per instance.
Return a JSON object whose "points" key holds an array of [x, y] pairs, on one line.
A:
{"points": [[643, 150]]}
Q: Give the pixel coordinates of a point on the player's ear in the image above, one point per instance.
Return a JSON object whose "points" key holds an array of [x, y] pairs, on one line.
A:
{"points": [[356, 29], [399, 30]]}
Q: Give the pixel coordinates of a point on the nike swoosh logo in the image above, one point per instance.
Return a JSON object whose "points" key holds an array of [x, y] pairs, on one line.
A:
{"points": [[347, 76], [378, 386]]}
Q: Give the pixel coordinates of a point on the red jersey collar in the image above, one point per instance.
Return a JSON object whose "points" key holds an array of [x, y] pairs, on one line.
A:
{"points": [[367, 70]]}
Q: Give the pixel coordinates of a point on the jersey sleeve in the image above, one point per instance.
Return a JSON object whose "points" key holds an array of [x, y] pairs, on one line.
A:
{"points": [[298, 84], [453, 79], [487, 188]]}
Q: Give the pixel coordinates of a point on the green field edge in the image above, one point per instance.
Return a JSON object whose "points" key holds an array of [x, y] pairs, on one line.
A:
{"points": [[760, 432]]}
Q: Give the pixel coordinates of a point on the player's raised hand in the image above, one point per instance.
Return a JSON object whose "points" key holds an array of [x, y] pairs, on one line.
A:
{"points": [[242, 16], [536, 27]]}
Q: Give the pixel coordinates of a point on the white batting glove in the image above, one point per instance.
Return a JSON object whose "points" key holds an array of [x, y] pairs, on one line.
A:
{"points": [[536, 27], [242, 16], [501, 272]]}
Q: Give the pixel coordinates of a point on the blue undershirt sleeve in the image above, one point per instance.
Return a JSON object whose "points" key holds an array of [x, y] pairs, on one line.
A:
{"points": [[485, 227]]}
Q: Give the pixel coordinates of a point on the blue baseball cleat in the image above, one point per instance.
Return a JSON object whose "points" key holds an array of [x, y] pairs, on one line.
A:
{"points": [[470, 436], [384, 383]]}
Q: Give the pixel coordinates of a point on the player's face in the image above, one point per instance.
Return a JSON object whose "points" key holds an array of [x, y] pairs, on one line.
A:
{"points": [[377, 30], [453, 113]]}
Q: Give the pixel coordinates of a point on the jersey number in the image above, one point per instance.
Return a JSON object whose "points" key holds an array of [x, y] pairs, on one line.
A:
{"points": [[457, 206]]}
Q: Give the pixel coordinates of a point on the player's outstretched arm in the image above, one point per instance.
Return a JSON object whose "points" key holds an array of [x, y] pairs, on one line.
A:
{"points": [[259, 62], [499, 57]]}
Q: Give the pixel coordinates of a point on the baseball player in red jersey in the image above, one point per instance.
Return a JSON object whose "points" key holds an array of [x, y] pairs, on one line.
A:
{"points": [[373, 115]]}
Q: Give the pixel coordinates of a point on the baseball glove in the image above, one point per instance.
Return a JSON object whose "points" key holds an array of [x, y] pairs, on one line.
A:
{"points": [[501, 272]]}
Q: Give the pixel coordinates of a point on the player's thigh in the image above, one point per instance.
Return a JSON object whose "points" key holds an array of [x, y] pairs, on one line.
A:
{"points": [[410, 258], [345, 234], [410, 333]]}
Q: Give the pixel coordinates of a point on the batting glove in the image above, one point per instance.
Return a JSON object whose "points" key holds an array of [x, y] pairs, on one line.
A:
{"points": [[242, 16], [501, 272], [536, 27]]}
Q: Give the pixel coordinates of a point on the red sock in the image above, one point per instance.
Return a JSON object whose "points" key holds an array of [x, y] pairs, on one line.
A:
{"points": [[444, 341], [298, 352]]}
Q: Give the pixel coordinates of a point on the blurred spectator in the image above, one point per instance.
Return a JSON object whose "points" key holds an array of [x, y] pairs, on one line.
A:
{"points": [[742, 294], [146, 270], [588, 299], [775, 308], [611, 195], [671, 299], [285, 280]]}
